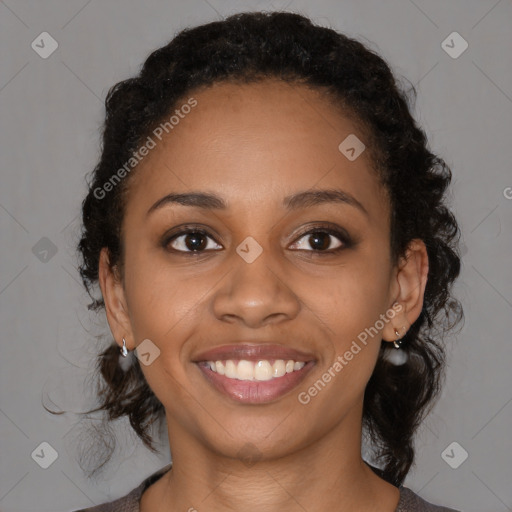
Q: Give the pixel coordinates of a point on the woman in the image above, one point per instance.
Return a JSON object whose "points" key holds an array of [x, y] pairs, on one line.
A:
{"points": [[268, 229]]}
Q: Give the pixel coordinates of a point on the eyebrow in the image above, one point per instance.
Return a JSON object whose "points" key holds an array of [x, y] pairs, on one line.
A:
{"points": [[304, 199]]}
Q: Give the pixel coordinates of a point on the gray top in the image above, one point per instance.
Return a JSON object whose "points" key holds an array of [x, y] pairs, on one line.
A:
{"points": [[409, 501]]}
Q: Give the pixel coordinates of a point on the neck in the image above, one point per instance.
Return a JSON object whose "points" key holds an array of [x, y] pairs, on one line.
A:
{"points": [[328, 474]]}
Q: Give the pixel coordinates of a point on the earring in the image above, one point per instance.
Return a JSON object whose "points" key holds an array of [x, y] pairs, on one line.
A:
{"points": [[398, 341], [396, 357], [124, 350]]}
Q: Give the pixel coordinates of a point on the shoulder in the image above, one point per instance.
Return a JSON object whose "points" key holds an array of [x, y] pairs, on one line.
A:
{"points": [[131, 501], [128, 503], [411, 502]]}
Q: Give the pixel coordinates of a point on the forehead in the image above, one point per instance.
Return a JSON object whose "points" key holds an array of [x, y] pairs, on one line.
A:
{"points": [[257, 143]]}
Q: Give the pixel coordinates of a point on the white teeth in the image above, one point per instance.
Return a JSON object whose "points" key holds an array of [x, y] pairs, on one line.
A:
{"points": [[279, 368], [219, 367], [261, 370], [231, 371], [245, 370]]}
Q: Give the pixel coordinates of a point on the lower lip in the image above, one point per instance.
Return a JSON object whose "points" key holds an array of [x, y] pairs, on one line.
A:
{"points": [[256, 391]]}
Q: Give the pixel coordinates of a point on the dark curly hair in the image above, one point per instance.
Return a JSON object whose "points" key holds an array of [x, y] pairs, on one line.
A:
{"points": [[245, 48]]}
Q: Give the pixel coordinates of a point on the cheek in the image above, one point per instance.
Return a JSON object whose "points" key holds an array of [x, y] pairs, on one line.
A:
{"points": [[162, 306], [352, 310], [352, 305], [159, 299], [354, 298]]}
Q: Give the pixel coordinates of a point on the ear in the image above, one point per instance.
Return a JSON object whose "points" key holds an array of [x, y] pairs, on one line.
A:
{"points": [[408, 290], [115, 301]]}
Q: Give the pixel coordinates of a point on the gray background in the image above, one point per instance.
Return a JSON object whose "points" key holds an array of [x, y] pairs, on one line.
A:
{"points": [[51, 111]]}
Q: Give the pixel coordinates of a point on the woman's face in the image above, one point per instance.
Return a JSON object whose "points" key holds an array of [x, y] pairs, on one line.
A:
{"points": [[256, 286]]}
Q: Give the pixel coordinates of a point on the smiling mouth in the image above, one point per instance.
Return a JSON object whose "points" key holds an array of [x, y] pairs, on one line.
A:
{"points": [[255, 382], [261, 370]]}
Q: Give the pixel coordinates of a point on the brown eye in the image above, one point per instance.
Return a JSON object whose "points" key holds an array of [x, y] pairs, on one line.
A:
{"points": [[320, 241], [191, 241], [323, 240]]}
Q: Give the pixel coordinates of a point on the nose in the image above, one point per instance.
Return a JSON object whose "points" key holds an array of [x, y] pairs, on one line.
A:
{"points": [[255, 294]]}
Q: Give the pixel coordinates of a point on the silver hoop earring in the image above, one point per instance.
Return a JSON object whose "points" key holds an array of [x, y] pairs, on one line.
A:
{"points": [[124, 350], [398, 341], [396, 357]]}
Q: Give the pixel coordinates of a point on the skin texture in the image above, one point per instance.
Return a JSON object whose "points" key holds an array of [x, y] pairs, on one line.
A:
{"points": [[253, 145]]}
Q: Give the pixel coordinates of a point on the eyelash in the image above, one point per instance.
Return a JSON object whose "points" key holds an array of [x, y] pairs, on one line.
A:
{"points": [[342, 236]]}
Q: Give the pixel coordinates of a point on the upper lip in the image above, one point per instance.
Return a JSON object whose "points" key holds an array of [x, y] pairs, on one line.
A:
{"points": [[253, 352]]}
